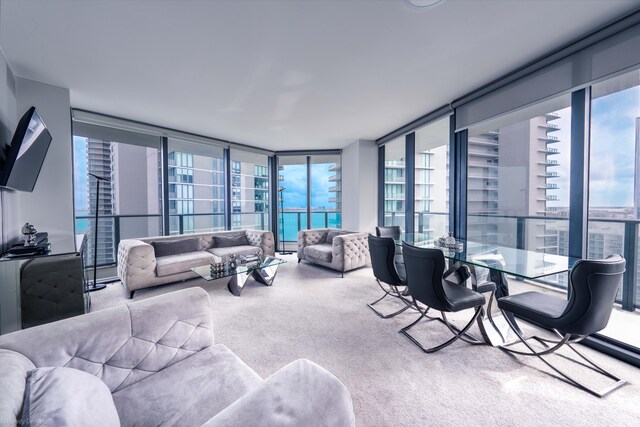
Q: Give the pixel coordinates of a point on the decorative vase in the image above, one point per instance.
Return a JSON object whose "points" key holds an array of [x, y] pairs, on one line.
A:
{"points": [[232, 262]]}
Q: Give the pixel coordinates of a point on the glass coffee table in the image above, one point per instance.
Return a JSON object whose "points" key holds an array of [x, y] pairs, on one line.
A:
{"points": [[264, 272]]}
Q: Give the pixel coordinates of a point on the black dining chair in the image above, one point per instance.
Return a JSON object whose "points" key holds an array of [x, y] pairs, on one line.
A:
{"points": [[391, 231], [394, 232], [593, 288], [426, 283], [382, 251]]}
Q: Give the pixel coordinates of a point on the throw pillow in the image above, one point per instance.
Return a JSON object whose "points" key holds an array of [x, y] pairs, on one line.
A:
{"points": [[230, 241], [67, 397], [332, 234], [175, 247]]}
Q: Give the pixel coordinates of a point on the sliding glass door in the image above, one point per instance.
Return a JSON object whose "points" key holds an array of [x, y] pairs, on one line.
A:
{"points": [[326, 188], [292, 199]]}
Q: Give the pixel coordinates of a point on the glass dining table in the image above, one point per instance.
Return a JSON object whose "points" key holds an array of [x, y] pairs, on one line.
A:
{"points": [[499, 261]]}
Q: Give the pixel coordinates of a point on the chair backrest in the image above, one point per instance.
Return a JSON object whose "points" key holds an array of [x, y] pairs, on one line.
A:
{"points": [[393, 232], [594, 285], [425, 267], [382, 251]]}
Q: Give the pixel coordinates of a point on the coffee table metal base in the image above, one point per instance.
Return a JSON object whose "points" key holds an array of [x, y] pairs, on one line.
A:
{"points": [[265, 275]]}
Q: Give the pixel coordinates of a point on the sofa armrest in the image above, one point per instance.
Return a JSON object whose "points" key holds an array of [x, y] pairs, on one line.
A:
{"points": [[300, 394], [310, 237], [136, 263], [262, 239], [350, 251]]}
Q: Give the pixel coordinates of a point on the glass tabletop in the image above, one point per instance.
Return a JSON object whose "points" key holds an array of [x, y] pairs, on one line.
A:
{"points": [[205, 270], [517, 262]]}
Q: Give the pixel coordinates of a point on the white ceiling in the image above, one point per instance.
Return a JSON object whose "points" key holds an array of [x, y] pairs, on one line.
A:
{"points": [[284, 74]]}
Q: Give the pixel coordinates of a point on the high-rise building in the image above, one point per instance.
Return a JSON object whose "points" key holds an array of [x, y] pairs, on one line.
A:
{"points": [[336, 188], [99, 163], [196, 193]]}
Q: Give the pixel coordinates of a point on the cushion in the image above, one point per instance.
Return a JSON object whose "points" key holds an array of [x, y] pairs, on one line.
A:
{"points": [[67, 397], [175, 247], [14, 370], [236, 250], [230, 241], [176, 264], [321, 252], [189, 392], [332, 234]]}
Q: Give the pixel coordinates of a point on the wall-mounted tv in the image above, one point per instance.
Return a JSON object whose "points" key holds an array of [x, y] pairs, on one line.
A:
{"points": [[24, 157]]}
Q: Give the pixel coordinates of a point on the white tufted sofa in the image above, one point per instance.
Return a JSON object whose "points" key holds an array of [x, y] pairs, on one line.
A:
{"points": [[138, 266], [346, 251], [159, 361]]}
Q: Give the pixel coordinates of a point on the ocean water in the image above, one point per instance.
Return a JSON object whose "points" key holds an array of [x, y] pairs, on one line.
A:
{"points": [[293, 221]]}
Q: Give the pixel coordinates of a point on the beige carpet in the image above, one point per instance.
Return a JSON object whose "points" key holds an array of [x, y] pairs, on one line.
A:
{"points": [[312, 313]]}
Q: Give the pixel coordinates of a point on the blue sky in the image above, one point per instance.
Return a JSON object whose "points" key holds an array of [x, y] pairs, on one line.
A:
{"points": [[295, 182], [613, 148]]}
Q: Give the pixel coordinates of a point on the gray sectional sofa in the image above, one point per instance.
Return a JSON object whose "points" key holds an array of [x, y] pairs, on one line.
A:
{"points": [[334, 248], [152, 363], [153, 261]]}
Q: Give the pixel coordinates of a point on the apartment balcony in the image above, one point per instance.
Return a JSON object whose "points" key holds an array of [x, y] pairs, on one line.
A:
{"points": [[552, 197], [551, 174], [550, 127], [483, 165], [551, 186], [549, 151], [549, 162], [552, 116], [335, 189], [488, 154], [549, 139], [484, 143], [335, 167]]}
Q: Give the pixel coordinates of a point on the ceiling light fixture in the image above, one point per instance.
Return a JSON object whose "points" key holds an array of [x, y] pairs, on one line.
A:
{"points": [[423, 3]]}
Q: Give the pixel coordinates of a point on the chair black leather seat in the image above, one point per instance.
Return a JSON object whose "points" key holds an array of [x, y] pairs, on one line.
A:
{"points": [[459, 298], [537, 306]]}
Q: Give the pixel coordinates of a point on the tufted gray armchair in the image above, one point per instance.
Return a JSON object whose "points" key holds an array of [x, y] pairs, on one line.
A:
{"points": [[334, 248]]}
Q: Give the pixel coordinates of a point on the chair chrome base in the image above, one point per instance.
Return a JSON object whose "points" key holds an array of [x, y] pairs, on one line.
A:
{"points": [[395, 293], [563, 340], [457, 333]]}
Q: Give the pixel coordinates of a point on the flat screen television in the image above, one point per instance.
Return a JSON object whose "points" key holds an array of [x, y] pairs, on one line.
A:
{"points": [[24, 157]]}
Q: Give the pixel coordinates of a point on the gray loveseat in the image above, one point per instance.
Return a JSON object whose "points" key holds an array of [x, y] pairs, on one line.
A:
{"points": [[161, 367], [334, 248], [139, 265]]}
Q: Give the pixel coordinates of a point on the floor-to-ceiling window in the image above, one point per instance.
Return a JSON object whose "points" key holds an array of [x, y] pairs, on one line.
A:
{"points": [[326, 189], [196, 187], [432, 179], [292, 198], [394, 182], [614, 189], [309, 194], [249, 190], [130, 194], [518, 178]]}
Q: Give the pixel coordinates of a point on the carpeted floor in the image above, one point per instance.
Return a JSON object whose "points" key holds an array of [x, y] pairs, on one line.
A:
{"points": [[312, 313]]}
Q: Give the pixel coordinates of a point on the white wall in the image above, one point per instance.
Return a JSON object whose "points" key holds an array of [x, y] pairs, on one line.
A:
{"points": [[9, 206], [50, 206], [359, 186]]}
